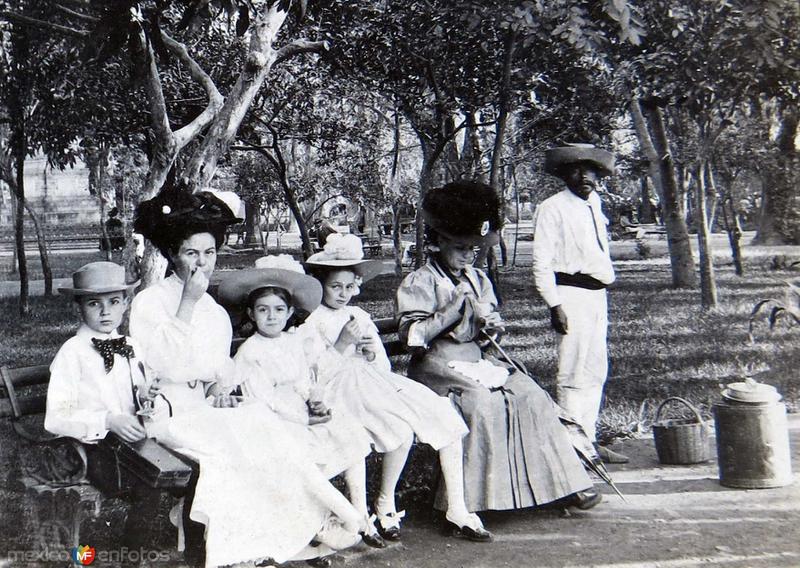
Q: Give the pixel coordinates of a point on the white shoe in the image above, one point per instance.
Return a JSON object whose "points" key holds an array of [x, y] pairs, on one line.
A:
{"points": [[334, 535]]}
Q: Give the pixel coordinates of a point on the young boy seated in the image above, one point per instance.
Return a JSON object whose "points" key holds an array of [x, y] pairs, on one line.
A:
{"points": [[94, 374]]}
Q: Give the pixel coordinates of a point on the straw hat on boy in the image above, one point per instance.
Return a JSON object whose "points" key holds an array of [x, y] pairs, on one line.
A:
{"points": [[278, 271], [98, 278]]}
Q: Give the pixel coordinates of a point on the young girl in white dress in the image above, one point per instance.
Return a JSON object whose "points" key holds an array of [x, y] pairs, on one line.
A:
{"points": [[272, 366], [357, 378]]}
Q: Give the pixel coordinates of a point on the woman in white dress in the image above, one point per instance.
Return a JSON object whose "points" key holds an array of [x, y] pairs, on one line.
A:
{"points": [[252, 469]]}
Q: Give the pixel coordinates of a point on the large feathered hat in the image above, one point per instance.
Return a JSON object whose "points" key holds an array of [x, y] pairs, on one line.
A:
{"points": [[175, 212], [556, 158], [464, 211]]}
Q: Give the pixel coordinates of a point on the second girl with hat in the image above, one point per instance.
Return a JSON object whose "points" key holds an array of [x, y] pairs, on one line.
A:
{"points": [[393, 409]]}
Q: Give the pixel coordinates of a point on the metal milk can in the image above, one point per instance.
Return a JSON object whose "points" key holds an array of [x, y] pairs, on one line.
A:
{"points": [[752, 437]]}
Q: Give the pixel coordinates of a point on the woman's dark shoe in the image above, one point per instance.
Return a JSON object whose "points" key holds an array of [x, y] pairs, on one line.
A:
{"points": [[388, 524], [472, 529], [320, 562], [584, 500]]}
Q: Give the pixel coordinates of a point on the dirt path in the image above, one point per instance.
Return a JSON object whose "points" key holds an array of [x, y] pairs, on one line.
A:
{"points": [[675, 517]]}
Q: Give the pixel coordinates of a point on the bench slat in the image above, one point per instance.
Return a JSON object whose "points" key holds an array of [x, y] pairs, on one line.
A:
{"points": [[27, 406], [27, 376]]}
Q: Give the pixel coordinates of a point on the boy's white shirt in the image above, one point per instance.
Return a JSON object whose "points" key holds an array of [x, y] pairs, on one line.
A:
{"points": [[81, 394]]}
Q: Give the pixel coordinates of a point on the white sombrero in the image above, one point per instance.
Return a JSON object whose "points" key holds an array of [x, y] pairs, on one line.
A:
{"points": [[280, 271]]}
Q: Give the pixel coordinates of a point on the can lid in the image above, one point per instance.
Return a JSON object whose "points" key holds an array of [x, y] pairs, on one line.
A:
{"points": [[751, 391]]}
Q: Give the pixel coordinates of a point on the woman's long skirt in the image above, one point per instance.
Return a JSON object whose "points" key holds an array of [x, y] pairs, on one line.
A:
{"points": [[517, 453]]}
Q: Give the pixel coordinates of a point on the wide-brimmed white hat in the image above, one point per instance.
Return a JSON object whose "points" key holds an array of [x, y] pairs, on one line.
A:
{"points": [[346, 251], [280, 271], [98, 278]]}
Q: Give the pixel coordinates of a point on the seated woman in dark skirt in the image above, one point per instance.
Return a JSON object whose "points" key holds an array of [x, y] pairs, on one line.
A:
{"points": [[517, 453]]}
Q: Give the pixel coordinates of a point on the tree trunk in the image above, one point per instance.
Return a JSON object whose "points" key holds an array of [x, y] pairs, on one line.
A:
{"points": [[43, 256], [652, 137], [708, 286], [732, 225], [20, 144], [425, 184], [294, 206], [396, 244], [251, 215], [779, 221], [646, 212], [261, 56]]}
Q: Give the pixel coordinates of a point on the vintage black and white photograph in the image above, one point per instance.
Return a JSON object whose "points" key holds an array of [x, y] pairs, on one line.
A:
{"points": [[399, 283]]}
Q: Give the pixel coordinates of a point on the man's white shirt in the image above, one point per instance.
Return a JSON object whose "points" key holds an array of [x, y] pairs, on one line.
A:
{"points": [[570, 235]]}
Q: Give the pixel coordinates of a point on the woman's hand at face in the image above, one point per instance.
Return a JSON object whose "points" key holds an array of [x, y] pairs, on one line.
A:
{"points": [[350, 335], [195, 285]]}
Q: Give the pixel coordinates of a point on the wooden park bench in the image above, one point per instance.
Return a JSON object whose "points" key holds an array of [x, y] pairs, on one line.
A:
{"points": [[82, 475], [72, 478]]}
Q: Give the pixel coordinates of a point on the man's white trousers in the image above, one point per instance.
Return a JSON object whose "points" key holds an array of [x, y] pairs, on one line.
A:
{"points": [[582, 355]]}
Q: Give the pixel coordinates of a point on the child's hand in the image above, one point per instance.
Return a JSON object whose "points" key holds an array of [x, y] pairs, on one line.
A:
{"points": [[319, 418], [225, 401], [350, 334], [154, 390], [317, 408], [366, 346], [126, 427]]}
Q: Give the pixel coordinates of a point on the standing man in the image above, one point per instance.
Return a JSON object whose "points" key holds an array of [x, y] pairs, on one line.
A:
{"points": [[571, 269]]}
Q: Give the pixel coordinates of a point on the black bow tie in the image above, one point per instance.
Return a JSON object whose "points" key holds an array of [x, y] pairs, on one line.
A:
{"points": [[107, 348]]}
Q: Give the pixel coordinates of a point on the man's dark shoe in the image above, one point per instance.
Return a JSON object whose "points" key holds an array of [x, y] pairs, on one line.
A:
{"points": [[608, 455], [584, 500]]}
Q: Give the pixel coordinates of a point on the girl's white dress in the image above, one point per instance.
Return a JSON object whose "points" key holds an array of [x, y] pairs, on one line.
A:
{"points": [[256, 488], [390, 407], [277, 372]]}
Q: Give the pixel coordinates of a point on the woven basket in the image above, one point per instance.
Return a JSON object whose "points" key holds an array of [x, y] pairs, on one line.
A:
{"points": [[681, 441]]}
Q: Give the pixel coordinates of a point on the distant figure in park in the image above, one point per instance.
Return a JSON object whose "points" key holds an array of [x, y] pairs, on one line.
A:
{"points": [[115, 231], [325, 229], [571, 269], [517, 453]]}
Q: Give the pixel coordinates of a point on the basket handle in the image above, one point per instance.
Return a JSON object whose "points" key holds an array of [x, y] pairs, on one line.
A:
{"points": [[681, 400]]}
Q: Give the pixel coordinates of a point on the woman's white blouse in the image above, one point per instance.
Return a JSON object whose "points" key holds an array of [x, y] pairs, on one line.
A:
{"points": [[182, 354]]}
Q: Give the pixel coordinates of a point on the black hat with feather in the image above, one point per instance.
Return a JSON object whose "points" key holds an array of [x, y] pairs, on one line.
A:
{"points": [[464, 211], [175, 214]]}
